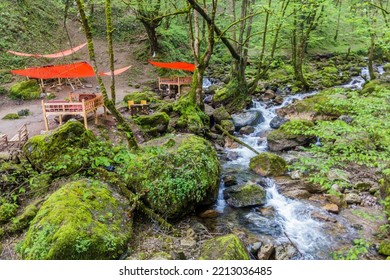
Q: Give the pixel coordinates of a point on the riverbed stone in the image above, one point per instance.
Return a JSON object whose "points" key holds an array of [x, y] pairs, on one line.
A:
{"points": [[268, 164], [221, 114], [266, 251], [285, 252], [229, 180], [228, 125], [277, 121], [246, 118], [246, 195], [226, 247], [331, 208], [246, 130], [210, 213], [352, 198]]}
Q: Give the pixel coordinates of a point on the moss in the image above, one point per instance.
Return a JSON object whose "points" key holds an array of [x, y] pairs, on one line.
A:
{"points": [[11, 116], [221, 114], [57, 149], [384, 248], [149, 96], [155, 124], [228, 125], [192, 118], [247, 195], [330, 70], [227, 247], [82, 220], [23, 221], [375, 86], [268, 164], [233, 97], [175, 176], [26, 90]]}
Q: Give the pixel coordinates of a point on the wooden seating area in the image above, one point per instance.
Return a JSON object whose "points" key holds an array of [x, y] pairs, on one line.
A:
{"points": [[136, 109], [78, 104], [18, 139], [178, 81]]}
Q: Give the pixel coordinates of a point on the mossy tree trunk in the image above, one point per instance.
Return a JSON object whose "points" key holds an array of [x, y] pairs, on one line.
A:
{"points": [[108, 102]]}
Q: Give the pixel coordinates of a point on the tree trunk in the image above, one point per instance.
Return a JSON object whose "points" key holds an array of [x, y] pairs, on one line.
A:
{"points": [[371, 57], [107, 101], [152, 36]]}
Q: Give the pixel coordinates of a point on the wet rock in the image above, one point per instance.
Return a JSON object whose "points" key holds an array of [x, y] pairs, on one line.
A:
{"points": [[363, 186], [277, 121], [209, 214], [298, 193], [231, 155], [246, 130], [247, 118], [255, 247], [285, 252], [266, 251], [227, 247], [268, 164], [229, 180], [266, 211], [221, 114], [230, 144], [322, 217], [228, 125], [331, 208], [352, 198], [246, 195], [296, 175], [188, 242]]}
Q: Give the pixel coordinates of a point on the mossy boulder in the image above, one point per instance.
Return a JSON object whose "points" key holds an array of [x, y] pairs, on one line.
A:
{"points": [[177, 173], [227, 247], [11, 116], [22, 221], [246, 195], [232, 97], [268, 164], [7, 211], [384, 248], [83, 220], [26, 90], [149, 96], [290, 135], [228, 125], [221, 114], [58, 149], [374, 86], [153, 125]]}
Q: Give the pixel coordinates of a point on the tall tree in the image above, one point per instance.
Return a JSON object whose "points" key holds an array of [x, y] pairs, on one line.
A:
{"points": [[108, 102]]}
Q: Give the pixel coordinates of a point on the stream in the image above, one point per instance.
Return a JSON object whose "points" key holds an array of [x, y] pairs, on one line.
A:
{"points": [[290, 220]]}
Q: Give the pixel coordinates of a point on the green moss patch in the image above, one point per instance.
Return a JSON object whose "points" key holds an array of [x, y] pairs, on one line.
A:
{"points": [[268, 164], [11, 116], [26, 90], [227, 247], [83, 220], [155, 124]]}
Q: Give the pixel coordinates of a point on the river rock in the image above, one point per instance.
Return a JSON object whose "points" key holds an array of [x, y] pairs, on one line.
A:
{"points": [[265, 252], [331, 208], [268, 164], [255, 247], [247, 118], [296, 175], [221, 114], [227, 247], [297, 194], [277, 121], [322, 217], [285, 252], [229, 180], [210, 213], [352, 198], [246, 195], [246, 130], [231, 155], [228, 125], [230, 144]]}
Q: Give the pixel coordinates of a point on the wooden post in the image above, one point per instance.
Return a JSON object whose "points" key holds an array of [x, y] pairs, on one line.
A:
{"points": [[84, 114], [96, 116], [60, 119], [44, 116]]}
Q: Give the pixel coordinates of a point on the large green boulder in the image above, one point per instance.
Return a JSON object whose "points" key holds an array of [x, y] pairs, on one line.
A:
{"points": [[83, 220], [221, 114], [290, 135], [149, 96], [26, 90], [268, 164], [227, 247], [384, 248], [57, 150], [176, 173]]}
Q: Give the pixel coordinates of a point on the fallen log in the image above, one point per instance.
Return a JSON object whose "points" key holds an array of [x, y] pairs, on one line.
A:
{"points": [[225, 132]]}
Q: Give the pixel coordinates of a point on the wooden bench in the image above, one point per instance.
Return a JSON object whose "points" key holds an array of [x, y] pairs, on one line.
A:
{"points": [[138, 108], [21, 137]]}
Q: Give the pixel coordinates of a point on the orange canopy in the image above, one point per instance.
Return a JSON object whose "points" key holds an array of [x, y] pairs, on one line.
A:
{"points": [[73, 70], [54, 55], [174, 65]]}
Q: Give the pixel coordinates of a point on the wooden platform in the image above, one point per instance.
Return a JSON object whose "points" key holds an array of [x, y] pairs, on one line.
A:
{"points": [[78, 104], [177, 81], [17, 140]]}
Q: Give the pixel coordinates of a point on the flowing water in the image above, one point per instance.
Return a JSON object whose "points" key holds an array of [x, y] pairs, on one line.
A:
{"points": [[291, 220]]}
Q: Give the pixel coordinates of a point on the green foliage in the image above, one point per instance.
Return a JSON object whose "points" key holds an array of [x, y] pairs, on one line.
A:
{"points": [[356, 252], [7, 210], [24, 112], [149, 96]]}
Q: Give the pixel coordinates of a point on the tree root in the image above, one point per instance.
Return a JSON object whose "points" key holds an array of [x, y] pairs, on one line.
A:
{"points": [[225, 132]]}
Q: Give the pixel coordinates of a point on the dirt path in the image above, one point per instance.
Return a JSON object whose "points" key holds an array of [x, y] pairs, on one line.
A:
{"points": [[140, 73]]}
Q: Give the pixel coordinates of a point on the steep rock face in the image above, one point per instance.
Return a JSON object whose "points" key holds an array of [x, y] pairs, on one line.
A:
{"points": [[176, 174], [227, 247], [267, 164], [82, 220], [57, 148]]}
